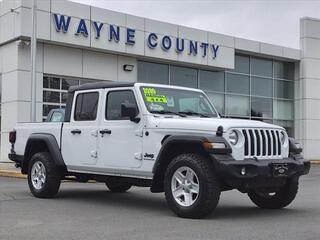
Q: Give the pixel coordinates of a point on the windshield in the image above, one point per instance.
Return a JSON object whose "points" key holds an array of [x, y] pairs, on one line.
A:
{"points": [[176, 101]]}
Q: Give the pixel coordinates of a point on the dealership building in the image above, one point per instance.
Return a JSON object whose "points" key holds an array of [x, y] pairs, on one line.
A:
{"points": [[79, 44]]}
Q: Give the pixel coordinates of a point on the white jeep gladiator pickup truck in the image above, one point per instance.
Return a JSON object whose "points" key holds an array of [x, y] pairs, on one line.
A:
{"points": [[168, 138]]}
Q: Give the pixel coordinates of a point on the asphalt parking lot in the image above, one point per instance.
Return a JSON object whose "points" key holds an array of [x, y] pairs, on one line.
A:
{"points": [[90, 211]]}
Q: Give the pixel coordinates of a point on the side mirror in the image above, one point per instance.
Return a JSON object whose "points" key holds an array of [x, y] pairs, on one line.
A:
{"points": [[130, 110]]}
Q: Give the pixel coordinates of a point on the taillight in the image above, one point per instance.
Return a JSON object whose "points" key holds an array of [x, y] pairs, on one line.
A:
{"points": [[12, 137]]}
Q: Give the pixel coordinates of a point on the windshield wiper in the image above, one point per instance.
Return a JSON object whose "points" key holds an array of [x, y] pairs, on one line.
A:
{"points": [[195, 113], [169, 112]]}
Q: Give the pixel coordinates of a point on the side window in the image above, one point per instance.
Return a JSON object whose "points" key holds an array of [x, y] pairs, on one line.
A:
{"points": [[114, 101], [56, 117], [86, 106]]}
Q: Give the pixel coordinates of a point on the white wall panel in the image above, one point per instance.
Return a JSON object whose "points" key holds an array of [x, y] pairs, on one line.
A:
{"points": [[161, 27], [62, 60], [223, 40], [104, 43], [134, 22], [247, 45], [99, 66], [138, 47], [10, 57], [71, 36], [124, 76], [192, 34], [158, 52], [108, 16], [310, 68], [70, 8], [270, 49], [224, 59], [24, 58]]}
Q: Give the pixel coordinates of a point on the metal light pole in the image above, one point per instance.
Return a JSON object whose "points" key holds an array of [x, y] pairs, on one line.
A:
{"points": [[33, 61]]}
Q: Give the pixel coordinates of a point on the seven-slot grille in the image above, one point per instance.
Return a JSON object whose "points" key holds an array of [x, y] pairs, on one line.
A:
{"points": [[261, 143]]}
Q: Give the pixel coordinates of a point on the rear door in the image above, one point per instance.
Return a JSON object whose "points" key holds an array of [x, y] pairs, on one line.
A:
{"points": [[80, 135], [120, 140]]}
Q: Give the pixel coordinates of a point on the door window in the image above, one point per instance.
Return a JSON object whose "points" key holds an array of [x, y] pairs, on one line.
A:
{"points": [[114, 101], [86, 106]]}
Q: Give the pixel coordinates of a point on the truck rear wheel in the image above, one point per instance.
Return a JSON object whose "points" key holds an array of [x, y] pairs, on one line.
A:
{"points": [[275, 200], [192, 189], [43, 178], [118, 186]]}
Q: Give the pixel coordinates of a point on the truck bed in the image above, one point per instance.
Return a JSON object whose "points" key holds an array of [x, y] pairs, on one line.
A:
{"points": [[24, 130]]}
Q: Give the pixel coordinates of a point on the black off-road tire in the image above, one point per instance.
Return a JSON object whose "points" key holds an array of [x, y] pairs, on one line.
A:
{"points": [[52, 181], [118, 186], [209, 186], [280, 199]]}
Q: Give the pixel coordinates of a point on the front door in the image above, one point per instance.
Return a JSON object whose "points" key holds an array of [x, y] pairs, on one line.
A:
{"points": [[120, 140], [80, 135]]}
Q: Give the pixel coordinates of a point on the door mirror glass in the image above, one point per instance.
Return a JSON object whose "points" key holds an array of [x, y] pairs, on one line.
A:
{"points": [[129, 110]]}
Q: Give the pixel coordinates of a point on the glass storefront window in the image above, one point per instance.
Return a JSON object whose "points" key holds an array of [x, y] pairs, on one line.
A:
{"points": [[261, 67], [257, 88], [283, 89], [237, 105], [242, 64], [237, 83], [282, 110], [283, 70], [51, 82], [217, 100], [153, 73], [55, 92], [261, 107], [66, 83], [261, 86], [288, 125], [182, 76], [212, 81]]}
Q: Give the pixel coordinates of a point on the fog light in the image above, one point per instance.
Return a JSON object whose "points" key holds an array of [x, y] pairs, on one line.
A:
{"points": [[243, 171]]}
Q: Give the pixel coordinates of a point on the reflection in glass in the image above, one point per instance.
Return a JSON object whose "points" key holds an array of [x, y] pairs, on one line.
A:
{"points": [[261, 67], [213, 81], [182, 76], [237, 83], [237, 105], [153, 73], [261, 107], [261, 86]]}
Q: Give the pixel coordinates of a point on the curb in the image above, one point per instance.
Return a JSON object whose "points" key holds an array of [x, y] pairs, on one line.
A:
{"points": [[315, 162], [12, 174]]}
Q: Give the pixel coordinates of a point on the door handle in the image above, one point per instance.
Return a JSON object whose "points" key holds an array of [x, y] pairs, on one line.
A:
{"points": [[76, 131], [105, 131]]}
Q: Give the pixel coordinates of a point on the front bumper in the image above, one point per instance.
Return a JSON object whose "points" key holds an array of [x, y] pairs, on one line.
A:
{"points": [[251, 173]]}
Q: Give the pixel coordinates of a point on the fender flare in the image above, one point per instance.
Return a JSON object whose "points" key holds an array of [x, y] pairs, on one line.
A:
{"points": [[51, 143], [161, 163]]}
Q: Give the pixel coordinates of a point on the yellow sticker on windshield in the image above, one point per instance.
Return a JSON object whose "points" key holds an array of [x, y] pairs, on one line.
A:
{"points": [[149, 91], [156, 99]]}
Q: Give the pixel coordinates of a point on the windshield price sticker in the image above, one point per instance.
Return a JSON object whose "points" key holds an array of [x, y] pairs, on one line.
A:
{"points": [[151, 96], [157, 99], [149, 91]]}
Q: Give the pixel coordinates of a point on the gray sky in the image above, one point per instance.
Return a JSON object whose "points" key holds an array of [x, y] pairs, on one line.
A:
{"points": [[273, 21]]}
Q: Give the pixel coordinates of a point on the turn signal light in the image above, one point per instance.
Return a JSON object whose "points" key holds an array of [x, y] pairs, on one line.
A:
{"points": [[210, 146]]}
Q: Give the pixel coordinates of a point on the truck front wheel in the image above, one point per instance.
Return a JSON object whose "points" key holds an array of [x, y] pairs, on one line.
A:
{"points": [[192, 189], [43, 178], [277, 199]]}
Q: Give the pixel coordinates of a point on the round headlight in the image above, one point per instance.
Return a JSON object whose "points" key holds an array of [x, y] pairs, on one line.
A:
{"points": [[233, 137], [282, 137]]}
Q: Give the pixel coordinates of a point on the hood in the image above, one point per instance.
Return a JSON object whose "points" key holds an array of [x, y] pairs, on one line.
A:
{"points": [[206, 124]]}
